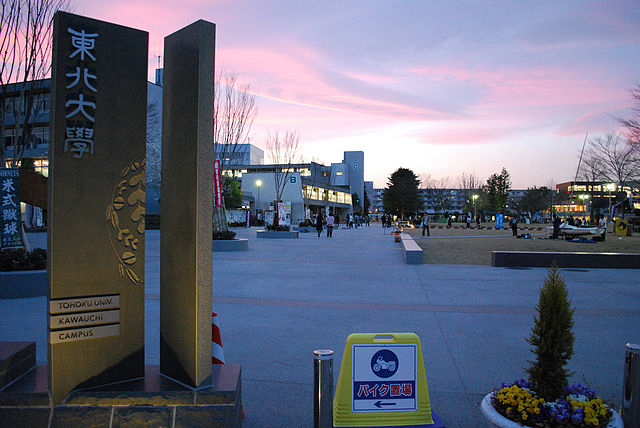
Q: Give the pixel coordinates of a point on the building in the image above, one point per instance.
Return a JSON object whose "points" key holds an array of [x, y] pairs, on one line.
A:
{"points": [[24, 115], [310, 187], [591, 198], [242, 154]]}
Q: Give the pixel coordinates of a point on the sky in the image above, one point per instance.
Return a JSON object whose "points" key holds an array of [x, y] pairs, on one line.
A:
{"points": [[443, 88]]}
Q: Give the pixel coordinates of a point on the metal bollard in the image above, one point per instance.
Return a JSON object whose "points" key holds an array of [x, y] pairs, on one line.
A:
{"points": [[323, 388], [630, 410]]}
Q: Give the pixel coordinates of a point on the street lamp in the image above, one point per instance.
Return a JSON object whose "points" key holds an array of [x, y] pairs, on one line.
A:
{"points": [[585, 199], [258, 185], [474, 197], [610, 187]]}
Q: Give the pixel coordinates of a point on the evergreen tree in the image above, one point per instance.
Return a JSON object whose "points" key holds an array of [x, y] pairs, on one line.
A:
{"points": [[552, 337], [401, 195], [497, 191]]}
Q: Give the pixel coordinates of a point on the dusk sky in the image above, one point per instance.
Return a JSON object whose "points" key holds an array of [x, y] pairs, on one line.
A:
{"points": [[440, 87]]}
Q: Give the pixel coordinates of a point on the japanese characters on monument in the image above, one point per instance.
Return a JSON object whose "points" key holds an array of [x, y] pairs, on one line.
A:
{"points": [[11, 215], [80, 105]]}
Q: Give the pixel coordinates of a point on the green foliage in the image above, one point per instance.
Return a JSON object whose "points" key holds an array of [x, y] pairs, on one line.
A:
{"points": [[401, 195], [497, 191], [552, 337], [355, 203], [231, 193], [19, 259], [366, 203], [536, 199]]}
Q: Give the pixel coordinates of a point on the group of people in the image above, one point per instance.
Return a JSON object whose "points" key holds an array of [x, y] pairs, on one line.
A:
{"points": [[330, 221], [557, 221]]}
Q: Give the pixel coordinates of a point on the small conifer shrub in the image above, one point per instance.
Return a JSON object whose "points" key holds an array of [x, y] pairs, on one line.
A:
{"points": [[552, 337]]}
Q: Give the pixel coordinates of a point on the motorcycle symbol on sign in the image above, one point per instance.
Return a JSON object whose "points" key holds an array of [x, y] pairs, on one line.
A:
{"points": [[384, 363]]}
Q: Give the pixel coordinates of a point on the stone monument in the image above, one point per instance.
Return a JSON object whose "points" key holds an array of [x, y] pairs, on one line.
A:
{"points": [[96, 204], [187, 204]]}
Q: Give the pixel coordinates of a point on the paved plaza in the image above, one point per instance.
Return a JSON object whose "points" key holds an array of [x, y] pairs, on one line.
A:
{"points": [[282, 299]]}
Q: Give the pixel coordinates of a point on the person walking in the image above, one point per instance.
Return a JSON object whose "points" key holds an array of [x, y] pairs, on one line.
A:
{"points": [[330, 220], [468, 222], [514, 225], [556, 227], [319, 224], [425, 225], [602, 224]]}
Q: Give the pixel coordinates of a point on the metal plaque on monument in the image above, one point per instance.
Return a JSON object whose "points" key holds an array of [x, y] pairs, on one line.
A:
{"points": [[96, 204], [187, 204]]}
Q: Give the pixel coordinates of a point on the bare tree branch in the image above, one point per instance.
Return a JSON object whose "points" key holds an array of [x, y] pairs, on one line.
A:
{"points": [[26, 28], [283, 152], [613, 158]]}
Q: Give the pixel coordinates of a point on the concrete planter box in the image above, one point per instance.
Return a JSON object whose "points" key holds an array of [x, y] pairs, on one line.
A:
{"points": [[237, 244], [25, 283], [272, 234]]}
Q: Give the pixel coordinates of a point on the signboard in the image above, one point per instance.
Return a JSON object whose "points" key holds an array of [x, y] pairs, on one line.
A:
{"points": [[96, 205], [83, 318], [384, 378], [11, 215], [217, 183], [382, 382], [293, 179], [499, 221]]}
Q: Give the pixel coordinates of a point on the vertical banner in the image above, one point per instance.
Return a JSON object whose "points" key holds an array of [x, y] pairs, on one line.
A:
{"points": [[499, 221], [11, 215], [96, 203], [248, 219], [217, 183]]}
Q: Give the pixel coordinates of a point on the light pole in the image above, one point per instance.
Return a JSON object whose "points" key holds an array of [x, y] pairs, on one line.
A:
{"points": [[474, 197], [585, 199], [610, 188], [258, 185]]}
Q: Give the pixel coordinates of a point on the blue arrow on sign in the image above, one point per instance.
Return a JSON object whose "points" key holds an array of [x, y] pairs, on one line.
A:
{"points": [[379, 404]]}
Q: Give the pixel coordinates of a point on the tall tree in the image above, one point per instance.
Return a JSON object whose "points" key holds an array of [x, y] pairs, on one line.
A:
{"points": [[535, 200], [497, 191], [613, 158], [234, 111], [283, 151], [26, 28], [356, 203], [471, 185], [401, 196]]}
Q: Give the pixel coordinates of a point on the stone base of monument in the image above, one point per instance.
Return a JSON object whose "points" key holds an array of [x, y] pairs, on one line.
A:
{"points": [[273, 234], [16, 359], [238, 244], [152, 401]]}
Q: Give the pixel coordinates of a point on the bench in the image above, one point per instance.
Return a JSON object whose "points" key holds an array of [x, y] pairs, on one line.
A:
{"points": [[412, 251], [565, 259]]}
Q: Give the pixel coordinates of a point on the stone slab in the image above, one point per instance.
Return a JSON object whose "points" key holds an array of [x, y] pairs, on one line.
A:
{"points": [[565, 259], [20, 284], [238, 244], [16, 359], [272, 234], [412, 251], [97, 193], [187, 204]]}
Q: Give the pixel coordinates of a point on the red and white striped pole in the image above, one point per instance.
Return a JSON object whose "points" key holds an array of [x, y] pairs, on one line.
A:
{"points": [[217, 353]]}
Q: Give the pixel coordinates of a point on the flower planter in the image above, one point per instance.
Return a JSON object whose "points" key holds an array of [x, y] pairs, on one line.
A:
{"points": [[497, 420]]}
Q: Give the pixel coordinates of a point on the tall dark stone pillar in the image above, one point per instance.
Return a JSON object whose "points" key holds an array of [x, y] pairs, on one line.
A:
{"points": [[186, 204], [96, 204]]}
